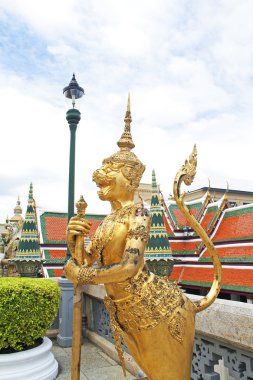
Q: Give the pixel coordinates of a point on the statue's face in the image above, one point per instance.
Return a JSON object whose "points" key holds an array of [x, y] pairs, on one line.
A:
{"points": [[111, 182]]}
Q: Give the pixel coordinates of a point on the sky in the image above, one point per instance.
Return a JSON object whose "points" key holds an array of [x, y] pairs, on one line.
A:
{"points": [[188, 66]]}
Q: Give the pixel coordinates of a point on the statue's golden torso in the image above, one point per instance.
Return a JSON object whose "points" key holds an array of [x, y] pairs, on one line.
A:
{"points": [[106, 248], [108, 244], [144, 300]]}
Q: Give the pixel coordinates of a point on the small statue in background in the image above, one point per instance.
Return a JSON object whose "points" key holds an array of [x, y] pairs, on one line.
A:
{"points": [[10, 242], [156, 320]]}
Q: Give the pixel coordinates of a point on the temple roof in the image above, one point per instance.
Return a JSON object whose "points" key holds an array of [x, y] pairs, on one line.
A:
{"points": [[231, 229]]}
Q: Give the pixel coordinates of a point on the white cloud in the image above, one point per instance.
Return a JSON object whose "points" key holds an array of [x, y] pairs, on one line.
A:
{"points": [[51, 19], [188, 67]]}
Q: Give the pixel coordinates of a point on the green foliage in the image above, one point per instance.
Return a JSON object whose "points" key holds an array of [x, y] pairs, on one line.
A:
{"points": [[27, 309]]}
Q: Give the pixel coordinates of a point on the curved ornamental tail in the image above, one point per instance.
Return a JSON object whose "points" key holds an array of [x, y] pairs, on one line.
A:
{"points": [[186, 174]]}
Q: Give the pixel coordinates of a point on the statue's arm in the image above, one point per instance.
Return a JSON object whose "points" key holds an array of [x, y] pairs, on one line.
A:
{"points": [[132, 260]]}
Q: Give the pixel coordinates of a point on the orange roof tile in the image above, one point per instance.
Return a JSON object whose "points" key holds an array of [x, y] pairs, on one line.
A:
{"points": [[180, 218], [56, 227], [233, 252], [235, 227], [237, 277], [55, 253]]}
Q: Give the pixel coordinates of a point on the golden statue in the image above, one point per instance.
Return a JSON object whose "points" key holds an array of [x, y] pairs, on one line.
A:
{"points": [[154, 317]]}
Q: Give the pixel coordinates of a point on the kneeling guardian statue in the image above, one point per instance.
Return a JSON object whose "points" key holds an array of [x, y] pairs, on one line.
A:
{"points": [[152, 314]]}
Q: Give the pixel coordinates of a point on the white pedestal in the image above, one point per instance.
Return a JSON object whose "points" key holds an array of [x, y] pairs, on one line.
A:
{"points": [[35, 364]]}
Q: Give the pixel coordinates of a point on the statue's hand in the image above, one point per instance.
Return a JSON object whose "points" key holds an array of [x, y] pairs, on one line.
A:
{"points": [[77, 227], [71, 271]]}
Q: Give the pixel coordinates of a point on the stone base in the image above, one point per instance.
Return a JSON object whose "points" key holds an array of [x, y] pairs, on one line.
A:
{"points": [[64, 338], [28, 267], [64, 341]]}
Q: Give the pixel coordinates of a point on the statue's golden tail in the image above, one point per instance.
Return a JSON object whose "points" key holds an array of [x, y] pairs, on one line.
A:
{"points": [[186, 174]]}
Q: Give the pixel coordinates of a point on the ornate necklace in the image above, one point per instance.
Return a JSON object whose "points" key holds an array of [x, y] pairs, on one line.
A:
{"points": [[106, 230]]}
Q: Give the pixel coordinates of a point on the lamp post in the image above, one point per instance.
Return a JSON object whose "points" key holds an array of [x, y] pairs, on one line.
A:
{"points": [[73, 92]]}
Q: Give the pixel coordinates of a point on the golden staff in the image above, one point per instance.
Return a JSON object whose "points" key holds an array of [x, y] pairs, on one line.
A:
{"points": [[78, 300]]}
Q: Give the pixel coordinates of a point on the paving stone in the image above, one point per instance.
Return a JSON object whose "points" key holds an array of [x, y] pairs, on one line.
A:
{"points": [[67, 376], [105, 356], [59, 351], [94, 360], [64, 364], [95, 364], [88, 349], [107, 373]]}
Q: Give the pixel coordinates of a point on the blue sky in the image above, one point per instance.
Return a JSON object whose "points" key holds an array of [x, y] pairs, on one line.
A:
{"points": [[187, 64]]}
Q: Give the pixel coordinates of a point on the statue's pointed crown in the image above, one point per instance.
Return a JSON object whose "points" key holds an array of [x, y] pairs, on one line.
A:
{"points": [[126, 141], [132, 167]]}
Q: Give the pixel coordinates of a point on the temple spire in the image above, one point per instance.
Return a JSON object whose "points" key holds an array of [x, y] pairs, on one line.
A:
{"points": [[126, 142], [154, 185], [158, 252], [128, 103], [17, 217], [29, 241], [18, 209], [30, 196]]}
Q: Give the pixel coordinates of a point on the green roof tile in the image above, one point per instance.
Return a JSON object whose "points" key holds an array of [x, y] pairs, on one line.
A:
{"points": [[240, 211]]}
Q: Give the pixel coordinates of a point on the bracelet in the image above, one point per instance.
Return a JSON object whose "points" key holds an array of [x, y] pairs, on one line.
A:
{"points": [[86, 276]]}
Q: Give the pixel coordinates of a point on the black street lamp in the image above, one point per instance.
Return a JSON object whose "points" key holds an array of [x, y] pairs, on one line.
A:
{"points": [[73, 91]]}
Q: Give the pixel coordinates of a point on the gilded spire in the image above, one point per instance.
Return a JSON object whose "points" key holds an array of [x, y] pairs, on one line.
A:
{"points": [[18, 209], [17, 217], [126, 142], [128, 103]]}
